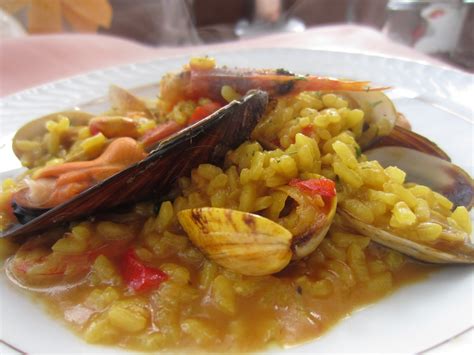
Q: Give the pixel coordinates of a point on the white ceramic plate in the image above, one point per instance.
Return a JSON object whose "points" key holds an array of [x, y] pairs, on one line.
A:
{"points": [[438, 103]]}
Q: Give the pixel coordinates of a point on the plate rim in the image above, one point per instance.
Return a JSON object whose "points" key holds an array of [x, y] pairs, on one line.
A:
{"points": [[79, 76]]}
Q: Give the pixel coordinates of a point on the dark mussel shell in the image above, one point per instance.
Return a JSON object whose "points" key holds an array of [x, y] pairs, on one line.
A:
{"points": [[204, 142], [21, 209]]}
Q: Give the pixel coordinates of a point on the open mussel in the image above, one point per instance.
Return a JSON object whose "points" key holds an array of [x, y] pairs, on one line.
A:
{"points": [[205, 141], [56, 184]]}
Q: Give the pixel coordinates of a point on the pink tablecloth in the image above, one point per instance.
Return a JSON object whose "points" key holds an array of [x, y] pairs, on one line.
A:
{"points": [[33, 60]]}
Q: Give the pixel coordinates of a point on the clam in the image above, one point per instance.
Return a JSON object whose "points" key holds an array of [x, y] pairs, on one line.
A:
{"points": [[462, 253], [123, 101], [251, 244], [242, 242], [36, 129], [402, 122], [308, 237], [454, 244], [427, 169], [205, 141], [379, 112], [402, 137]]}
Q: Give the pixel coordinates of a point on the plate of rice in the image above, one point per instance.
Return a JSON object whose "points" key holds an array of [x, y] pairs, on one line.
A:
{"points": [[297, 237]]}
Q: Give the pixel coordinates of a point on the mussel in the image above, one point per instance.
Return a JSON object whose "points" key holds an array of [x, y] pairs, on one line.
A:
{"points": [[55, 184], [27, 141], [205, 141]]}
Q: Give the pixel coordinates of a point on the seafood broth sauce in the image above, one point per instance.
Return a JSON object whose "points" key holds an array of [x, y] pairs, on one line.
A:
{"points": [[134, 279], [215, 310]]}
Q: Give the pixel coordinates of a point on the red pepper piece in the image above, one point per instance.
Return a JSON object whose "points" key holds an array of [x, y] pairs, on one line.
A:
{"points": [[323, 187], [94, 129], [203, 111], [160, 132], [307, 130], [139, 277]]}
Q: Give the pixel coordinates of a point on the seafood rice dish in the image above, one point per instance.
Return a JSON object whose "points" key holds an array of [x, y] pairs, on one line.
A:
{"points": [[239, 209]]}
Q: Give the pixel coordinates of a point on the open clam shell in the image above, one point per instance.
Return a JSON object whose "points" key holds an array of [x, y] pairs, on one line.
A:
{"points": [[439, 175], [378, 109], [380, 117], [205, 141], [425, 169], [123, 101], [37, 128], [304, 244], [464, 255], [402, 137]]}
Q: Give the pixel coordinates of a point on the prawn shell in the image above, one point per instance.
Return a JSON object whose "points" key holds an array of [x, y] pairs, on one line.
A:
{"points": [[206, 141], [193, 83]]}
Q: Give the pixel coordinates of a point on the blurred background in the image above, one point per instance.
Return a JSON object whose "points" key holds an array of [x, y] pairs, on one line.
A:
{"points": [[441, 28]]}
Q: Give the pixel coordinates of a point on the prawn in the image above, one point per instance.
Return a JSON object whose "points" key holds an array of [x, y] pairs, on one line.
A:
{"points": [[195, 82]]}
